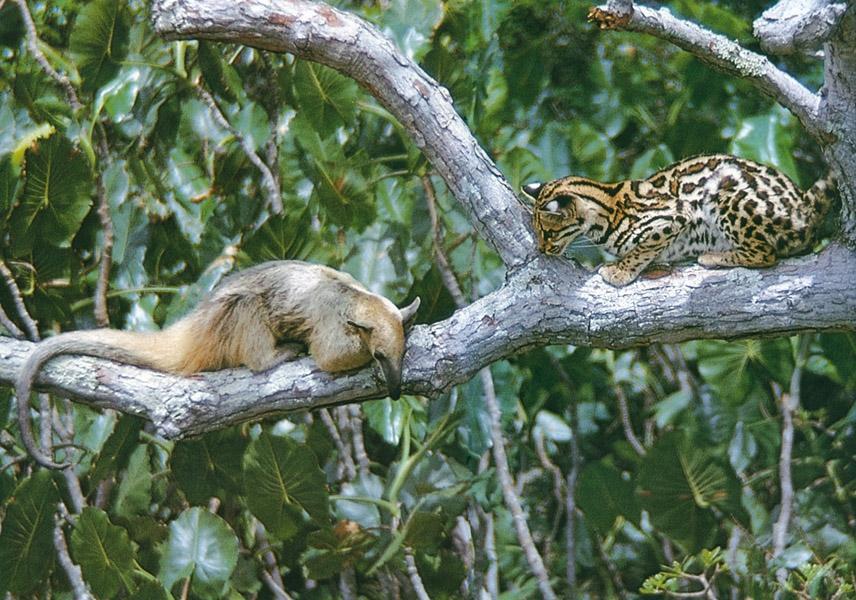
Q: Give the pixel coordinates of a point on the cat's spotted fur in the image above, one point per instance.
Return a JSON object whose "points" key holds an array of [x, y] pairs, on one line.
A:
{"points": [[723, 210]]}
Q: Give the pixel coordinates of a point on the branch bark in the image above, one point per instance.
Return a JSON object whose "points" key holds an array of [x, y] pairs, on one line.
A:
{"points": [[797, 25], [548, 301]]}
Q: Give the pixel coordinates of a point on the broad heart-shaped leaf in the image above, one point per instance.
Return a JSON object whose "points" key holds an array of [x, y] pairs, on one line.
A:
{"points": [[679, 483], [104, 553], [338, 186], [57, 195], [734, 368], [203, 547], [603, 496], [26, 542], [282, 479], [118, 447], [209, 464], [326, 98], [99, 41]]}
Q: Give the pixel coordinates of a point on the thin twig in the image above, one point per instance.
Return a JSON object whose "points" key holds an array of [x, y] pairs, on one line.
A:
{"points": [[626, 423], [10, 325], [269, 182], [33, 45], [15, 292], [72, 571], [345, 458], [558, 488], [360, 453], [506, 482], [270, 574], [103, 283], [790, 402], [413, 574], [443, 264]]}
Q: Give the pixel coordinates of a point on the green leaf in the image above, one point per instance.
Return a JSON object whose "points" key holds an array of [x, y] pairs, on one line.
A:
{"points": [[207, 465], [135, 488], [424, 530], [26, 542], [769, 139], [667, 409], [282, 479], [104, 553], [679, 484], [200, 546], [326, 98], [150, 590], [603, 496], [386, 417], [219, 75], [99, 41], [338, 186], [118, 447], [411, 23], [733, 369], [56, 196], [280, 237]]}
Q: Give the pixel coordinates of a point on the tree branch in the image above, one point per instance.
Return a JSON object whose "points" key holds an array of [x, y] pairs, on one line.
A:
{"points": [[716, 50], [317, 32], [796, 25], [548, 301]]}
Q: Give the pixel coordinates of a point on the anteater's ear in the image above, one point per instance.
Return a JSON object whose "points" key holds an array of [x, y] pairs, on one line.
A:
{"points": [[409, 312]]}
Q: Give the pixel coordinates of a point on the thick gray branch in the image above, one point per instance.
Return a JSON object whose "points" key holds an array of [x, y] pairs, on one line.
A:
{"points": [[797, 25], [547, 301], [317, 32], [716, 50]]}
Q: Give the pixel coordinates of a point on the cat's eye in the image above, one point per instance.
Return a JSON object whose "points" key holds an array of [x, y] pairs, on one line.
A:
{"points": [[556, 204]]}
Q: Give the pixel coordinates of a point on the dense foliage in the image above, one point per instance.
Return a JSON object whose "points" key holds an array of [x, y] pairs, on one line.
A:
{"points": [[624, 461]]}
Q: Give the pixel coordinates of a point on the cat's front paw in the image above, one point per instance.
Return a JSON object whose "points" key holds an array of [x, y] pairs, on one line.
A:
{"points": [[616, 276]]}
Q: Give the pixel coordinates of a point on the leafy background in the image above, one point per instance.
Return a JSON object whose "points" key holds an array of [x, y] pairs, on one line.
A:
{"points": [[546, 95]]}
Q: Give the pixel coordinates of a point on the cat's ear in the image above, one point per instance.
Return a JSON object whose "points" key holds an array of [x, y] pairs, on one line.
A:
{"points": [[529, 195]]}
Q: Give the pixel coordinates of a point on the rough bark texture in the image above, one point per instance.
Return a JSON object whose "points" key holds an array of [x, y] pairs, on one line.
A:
{"points": [[797, 25], [548, 301], [544, 300]]}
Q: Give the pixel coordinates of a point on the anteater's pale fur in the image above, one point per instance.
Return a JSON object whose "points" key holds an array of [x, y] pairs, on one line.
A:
{"points": [[254, 319]]}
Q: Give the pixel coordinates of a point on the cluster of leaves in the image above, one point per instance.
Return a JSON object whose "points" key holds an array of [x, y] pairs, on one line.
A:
{"points": [[547, 95]]}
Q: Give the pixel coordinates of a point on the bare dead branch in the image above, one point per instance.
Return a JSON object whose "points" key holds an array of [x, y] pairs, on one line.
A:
{"points": [[547, 302]]}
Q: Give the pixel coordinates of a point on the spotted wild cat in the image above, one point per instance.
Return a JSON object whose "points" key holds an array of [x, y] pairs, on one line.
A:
{"points": [[724, 210]]}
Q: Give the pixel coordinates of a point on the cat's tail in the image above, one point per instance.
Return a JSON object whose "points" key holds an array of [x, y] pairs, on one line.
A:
{"points": [[820, 198]]}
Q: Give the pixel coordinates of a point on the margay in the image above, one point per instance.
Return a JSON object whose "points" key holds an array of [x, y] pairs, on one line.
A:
{"points": [[724, 210]]}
